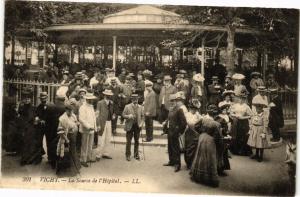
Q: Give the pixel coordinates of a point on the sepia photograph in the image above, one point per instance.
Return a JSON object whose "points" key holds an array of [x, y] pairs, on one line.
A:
{"points": [[148, 98]]}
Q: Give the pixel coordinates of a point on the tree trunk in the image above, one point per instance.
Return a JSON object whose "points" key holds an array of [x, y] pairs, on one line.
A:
{"points": [[13, 43], [230, 48]]}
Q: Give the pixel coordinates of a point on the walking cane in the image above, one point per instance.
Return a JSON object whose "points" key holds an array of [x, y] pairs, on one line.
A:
{"points": [[141, 134]]}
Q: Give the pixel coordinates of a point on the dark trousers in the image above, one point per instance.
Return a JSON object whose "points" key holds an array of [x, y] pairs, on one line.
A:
{"points": [[174, 149], [149, 127], [135, 133], [51, 141], [163, 114], [275, 132], [114, 124]]}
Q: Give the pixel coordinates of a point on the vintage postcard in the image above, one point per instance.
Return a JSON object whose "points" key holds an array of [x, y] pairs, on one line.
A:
{"points": [[139, 98]]}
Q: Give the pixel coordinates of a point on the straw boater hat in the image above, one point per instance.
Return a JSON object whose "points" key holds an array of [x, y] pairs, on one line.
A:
{"points": [[198, 77], [180, 95], [134, 96], [82, 90], [90, 96], [43, 95], [255, 74], [108, 92], [227, 92], [148, 83], [167, 78], [238, 76]]}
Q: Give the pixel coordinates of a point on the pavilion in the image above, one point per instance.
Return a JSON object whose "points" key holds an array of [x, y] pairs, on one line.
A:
{"points": [[144, 24]]}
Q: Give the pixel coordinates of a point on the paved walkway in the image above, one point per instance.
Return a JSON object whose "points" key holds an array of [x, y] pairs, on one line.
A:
{"points": [[247, 177]]}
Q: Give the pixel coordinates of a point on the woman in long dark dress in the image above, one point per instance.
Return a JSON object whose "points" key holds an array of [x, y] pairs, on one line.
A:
{"points": [[68, 161], [240, 113], [204, 166], [31, 152], [192, 133]]}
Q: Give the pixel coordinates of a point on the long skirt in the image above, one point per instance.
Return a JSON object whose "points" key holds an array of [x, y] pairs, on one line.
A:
{"points": [[13, 141], [239, 131], [191, 141], [31, 151], [69, 165], [204, 167]]}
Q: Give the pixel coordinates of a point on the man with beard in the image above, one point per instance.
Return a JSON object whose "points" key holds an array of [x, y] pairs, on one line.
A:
{"points": [[42, 119], [149, 109], [164, 100]]}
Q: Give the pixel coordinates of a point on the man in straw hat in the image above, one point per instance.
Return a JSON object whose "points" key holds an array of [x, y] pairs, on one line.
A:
{"points": [[177, 124], [276, 120], [134, 115], [164, 101], [87, 119], [149, 109], [105, 115]]}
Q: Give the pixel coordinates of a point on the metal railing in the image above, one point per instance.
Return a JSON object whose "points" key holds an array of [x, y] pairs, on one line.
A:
{"points": [[13, 87]]}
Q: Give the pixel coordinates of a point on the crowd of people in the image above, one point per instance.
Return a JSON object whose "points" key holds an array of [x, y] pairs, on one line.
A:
{"points": [[206, 122]]}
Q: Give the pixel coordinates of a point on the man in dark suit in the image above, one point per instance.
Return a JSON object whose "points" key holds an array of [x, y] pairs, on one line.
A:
{"points": [[134, 115], [149, 109], [276, 120], [105, 115], [176, 126], [214, 91]]}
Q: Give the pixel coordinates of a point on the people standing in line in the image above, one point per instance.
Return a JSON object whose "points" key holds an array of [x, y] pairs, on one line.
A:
{"points": [[134, 115], [276, 120], [42, 118], [32, 149], [87, 119], [149, 109], [204, 168], [240, 113], [258, 130], [164, 101], [67, 129], [177, 125], [105, 115]]}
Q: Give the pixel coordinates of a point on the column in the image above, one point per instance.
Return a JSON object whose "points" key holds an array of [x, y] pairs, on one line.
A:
{"points": [[202, 56], [114, 51], [45, 53]]}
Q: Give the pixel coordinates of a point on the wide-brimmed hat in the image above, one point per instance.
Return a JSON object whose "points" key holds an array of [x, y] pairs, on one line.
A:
{"points": [[255, 73], [148, 83], [238, 76], [198, 77], [195, 103], [227, 92], [43, 95], [147, 72], [82, 90], [259, 101], [108, 92], [262, 89], [223, 105], [167, 78], [180, 95], [90, 96]]}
